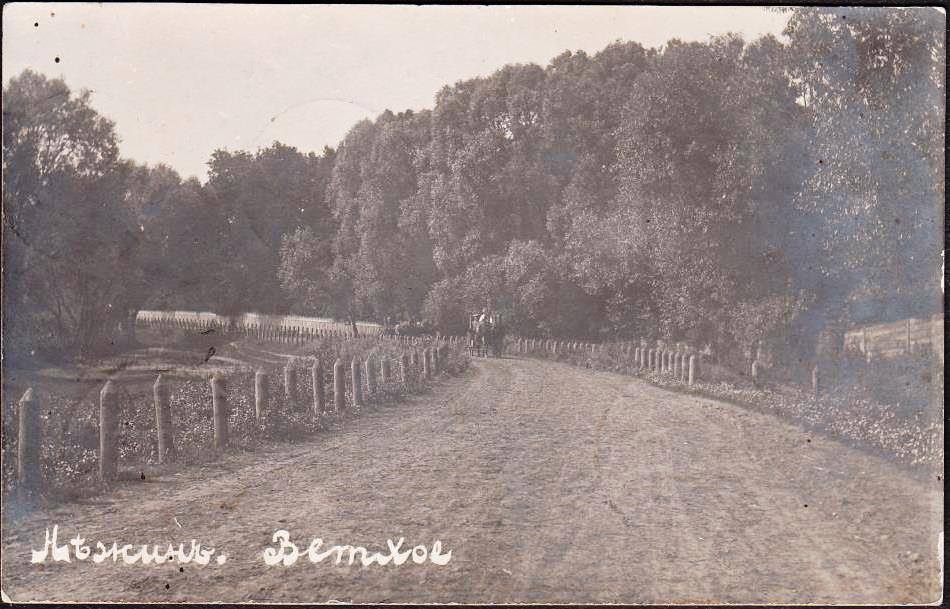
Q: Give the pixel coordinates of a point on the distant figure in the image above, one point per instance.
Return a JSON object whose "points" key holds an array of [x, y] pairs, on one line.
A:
{"points": [[479, 327]]}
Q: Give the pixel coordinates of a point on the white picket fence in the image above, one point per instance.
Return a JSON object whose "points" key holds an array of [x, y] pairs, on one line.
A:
{"points": [[252, 323]]}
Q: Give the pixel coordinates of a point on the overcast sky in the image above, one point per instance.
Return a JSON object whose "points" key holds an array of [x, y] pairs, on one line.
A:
{"points": [[182, 80]]}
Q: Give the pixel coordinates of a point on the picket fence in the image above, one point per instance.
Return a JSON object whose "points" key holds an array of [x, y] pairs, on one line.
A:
{"points": [[897, 338], [278, 327]]}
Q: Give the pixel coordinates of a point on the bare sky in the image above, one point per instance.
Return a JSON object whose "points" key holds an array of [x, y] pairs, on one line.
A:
{"points": [[182, 80]]}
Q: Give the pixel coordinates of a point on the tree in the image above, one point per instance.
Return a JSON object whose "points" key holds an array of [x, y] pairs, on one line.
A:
{"points": [[872, 81], [705, 134], [256, 200], [485, 183], [608, 258], [178, 223], [381, 252], [306, 263], [584, 99], [68, 233]]}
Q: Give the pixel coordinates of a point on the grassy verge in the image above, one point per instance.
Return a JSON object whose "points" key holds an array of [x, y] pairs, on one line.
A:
{"points": [[908, 432]]}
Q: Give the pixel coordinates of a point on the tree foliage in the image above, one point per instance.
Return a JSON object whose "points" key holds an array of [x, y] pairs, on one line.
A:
{"points": [[872, 81], [728, 193], [67, 228]]}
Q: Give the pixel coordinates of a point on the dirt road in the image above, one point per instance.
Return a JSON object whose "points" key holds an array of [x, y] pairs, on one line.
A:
{"points": [[547, 483]]}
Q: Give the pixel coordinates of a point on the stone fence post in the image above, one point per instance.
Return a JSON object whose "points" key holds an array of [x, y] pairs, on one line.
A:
{"points": [[404, 369], [163, 421], [219, 407], [261, 395], [108, 431], [357, 381], [29, 436], [319, 396], [290, 386], [370, 375], [339, 388]]}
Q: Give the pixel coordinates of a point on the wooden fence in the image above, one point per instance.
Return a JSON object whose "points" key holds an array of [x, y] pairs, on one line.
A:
{"points": [[277, 327], [897, 338]]}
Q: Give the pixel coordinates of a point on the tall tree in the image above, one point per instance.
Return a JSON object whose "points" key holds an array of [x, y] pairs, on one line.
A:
{"points": [[700, 149], [68, 231], [873, 83], [382, 252], [257, 199], [486, 182]]}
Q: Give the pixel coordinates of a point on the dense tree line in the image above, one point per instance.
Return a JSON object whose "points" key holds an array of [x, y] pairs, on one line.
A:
{"points": [[723, 193]]}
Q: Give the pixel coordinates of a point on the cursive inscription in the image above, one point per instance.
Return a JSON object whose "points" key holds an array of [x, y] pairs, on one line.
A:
{"points": [[81, 550], [287, 552]]}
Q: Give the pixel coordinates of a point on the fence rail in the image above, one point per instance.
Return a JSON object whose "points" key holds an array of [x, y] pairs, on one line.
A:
{"points": [[897, 338]]}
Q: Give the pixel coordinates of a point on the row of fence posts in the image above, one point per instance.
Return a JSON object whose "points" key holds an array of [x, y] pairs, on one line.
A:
{"points": [[681, 365], [285, 334], [262, 332], [528, 345], [265, 333], [29, 438]]}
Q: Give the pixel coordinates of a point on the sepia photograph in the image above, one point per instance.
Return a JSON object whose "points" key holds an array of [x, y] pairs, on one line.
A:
{"points": [[472, 304]]}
